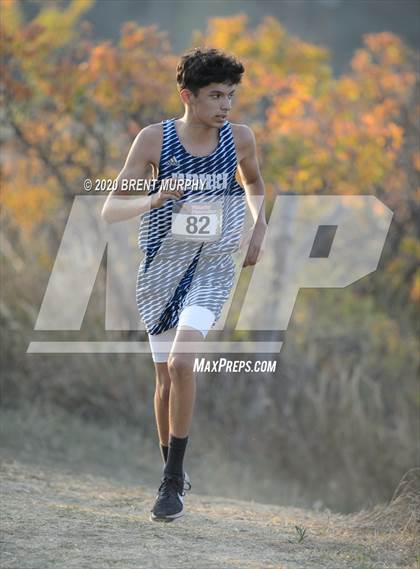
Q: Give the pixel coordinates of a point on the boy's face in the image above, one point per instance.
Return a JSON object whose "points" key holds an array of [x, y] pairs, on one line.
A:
{"points": [[212, 103]]}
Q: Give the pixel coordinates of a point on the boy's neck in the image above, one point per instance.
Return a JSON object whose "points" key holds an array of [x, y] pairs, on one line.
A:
{"points": [[194, 129]]}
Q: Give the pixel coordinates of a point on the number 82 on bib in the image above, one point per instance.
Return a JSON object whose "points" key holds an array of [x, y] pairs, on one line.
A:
{"points": [[197, 222]]}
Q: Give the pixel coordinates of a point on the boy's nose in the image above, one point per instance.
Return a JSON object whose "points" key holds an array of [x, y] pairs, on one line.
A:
{"points": [[226, 105]]}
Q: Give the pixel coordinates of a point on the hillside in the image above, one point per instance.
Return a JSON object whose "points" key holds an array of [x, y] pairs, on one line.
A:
{"points": [[56, 518]]}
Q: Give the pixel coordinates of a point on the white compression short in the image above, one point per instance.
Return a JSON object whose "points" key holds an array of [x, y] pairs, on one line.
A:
{"points": [[193, 316]]}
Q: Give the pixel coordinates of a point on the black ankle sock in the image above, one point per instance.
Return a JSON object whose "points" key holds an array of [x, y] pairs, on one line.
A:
{"points": [[174, 463], [164, 450]]}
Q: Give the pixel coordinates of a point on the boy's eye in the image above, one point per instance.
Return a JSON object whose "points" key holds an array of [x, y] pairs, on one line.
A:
{"points": [[218, 95]]}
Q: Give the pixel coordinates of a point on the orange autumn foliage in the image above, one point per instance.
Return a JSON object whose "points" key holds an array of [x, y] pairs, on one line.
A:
{"points": [[72, 107]]}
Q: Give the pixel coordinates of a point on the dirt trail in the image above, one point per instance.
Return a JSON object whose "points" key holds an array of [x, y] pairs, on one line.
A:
{"points": [[53, 518]]}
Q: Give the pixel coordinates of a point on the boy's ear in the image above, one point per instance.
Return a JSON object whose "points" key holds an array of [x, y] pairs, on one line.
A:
{"points": [[186, 95]]}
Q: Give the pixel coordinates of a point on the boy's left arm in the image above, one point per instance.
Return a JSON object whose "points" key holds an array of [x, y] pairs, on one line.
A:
{"points": [[255, 194]]}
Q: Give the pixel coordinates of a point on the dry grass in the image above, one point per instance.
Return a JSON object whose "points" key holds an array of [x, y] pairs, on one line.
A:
{"points": [[57, 519], [401, 514]]}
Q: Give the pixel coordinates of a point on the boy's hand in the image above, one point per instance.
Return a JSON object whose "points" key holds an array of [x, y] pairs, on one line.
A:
{"points": [[256, 240], [162, 196]]}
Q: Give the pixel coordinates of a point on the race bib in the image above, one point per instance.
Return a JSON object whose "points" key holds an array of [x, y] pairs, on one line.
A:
{"points": [[197, 221]]}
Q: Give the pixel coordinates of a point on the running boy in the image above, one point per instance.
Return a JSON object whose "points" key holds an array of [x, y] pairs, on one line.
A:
{"points": [[188, 233]]}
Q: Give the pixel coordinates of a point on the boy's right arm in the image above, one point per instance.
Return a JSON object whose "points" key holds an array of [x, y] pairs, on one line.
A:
{"points": [[144, 151]]}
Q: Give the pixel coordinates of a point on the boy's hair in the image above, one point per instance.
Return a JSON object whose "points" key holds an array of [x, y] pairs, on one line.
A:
{"points": [[200, 67]]}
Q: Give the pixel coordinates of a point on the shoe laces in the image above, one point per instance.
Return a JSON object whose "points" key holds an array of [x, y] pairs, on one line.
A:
{"points": [[171, 484]]}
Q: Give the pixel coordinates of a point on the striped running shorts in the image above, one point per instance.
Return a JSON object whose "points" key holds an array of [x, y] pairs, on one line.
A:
{"points": [[166, 285]]}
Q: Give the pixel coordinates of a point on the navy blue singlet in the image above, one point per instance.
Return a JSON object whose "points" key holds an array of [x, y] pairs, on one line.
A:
{"points": [[175, 274]]}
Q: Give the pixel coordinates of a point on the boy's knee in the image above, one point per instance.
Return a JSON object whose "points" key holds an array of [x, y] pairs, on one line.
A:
{"points": [[180, 366]]}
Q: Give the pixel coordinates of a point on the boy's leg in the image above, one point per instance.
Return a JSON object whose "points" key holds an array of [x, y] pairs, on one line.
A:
{"points": [[168, 504], [160, 346], [161, 405], [194, 323], [183, 388], [181, 402]]}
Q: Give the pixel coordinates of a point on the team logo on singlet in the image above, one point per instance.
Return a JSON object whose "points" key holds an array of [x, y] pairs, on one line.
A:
{"points": [[214, 181], [172, 161]]}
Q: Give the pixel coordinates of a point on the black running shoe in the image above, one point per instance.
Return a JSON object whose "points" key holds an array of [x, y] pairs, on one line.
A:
{"points": [[169, 500]]}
